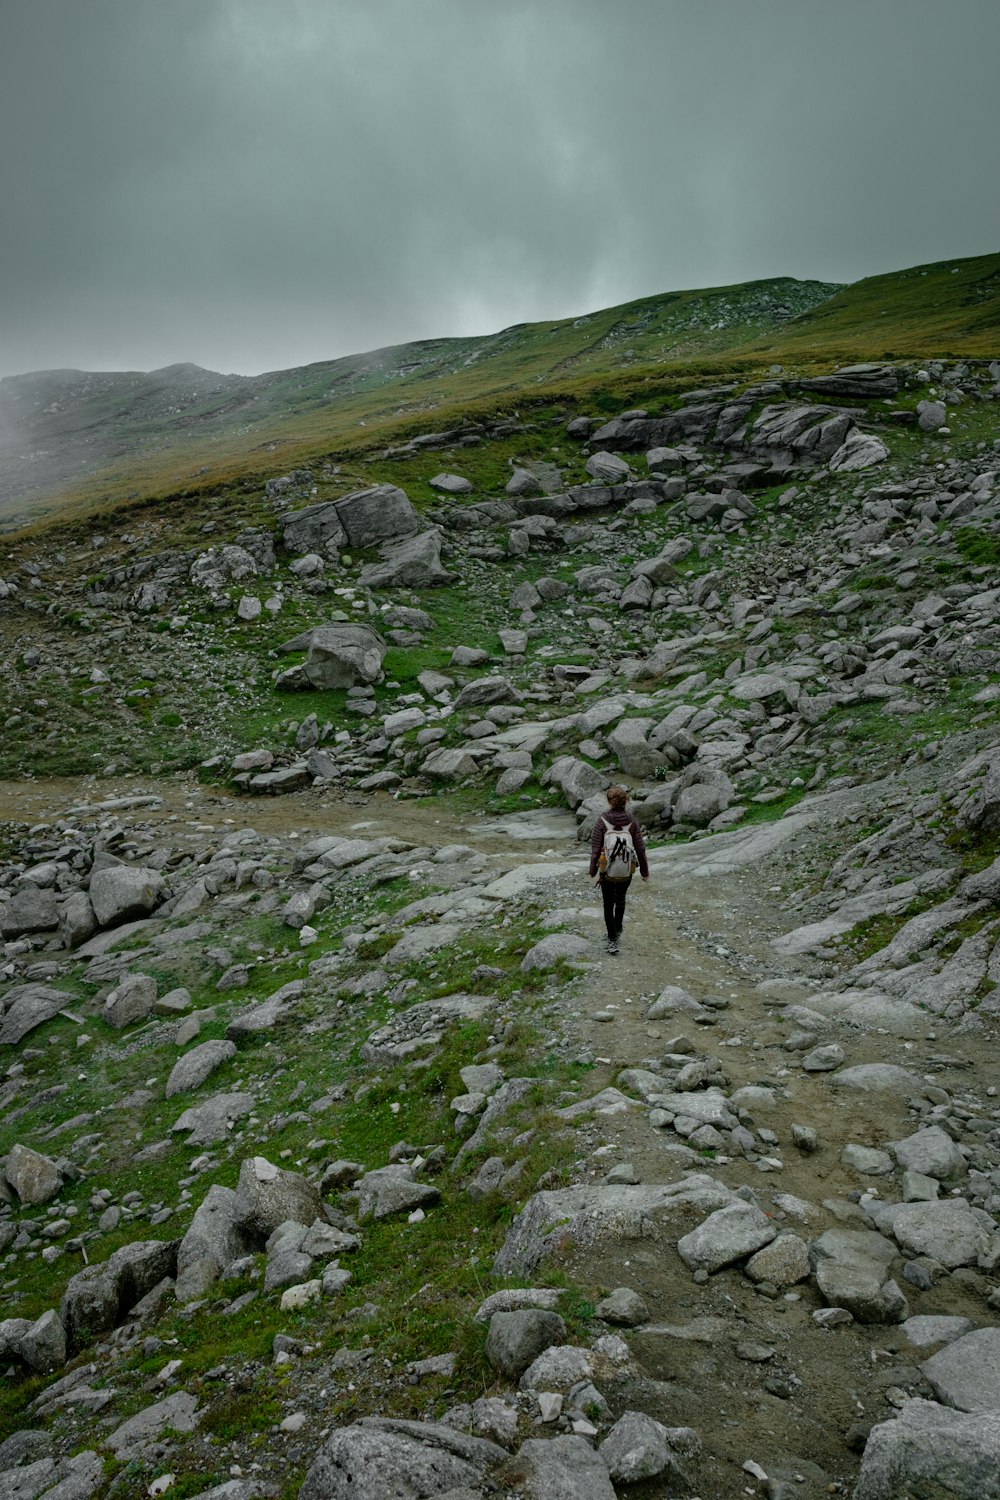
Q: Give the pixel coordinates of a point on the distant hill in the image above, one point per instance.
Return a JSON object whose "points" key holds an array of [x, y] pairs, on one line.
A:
{"points": [[59, 426], [73, 438], [949, 308]]}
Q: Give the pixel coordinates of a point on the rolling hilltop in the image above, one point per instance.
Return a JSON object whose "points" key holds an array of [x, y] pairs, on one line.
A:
{"points": [[70, 438]]}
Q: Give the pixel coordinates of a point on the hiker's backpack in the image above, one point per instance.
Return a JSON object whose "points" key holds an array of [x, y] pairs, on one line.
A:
{"points": [[618, 860]]}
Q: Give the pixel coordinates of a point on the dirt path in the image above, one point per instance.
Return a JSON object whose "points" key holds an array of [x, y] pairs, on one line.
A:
{"points": [[751, 1372]]}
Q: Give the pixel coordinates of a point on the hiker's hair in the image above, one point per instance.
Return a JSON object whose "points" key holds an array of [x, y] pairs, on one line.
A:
{"points": [[617, 798]]}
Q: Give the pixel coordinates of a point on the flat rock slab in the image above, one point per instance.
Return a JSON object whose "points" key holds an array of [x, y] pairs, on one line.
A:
{"points": [[876, 1078], [178, 1412], [933, 1451], [378, 1458], [966, 1374], [28, 1006], [726, 1236], [606, 1214], [191, 1070], [924, 1331], [851, 1267], [213, 1120]]}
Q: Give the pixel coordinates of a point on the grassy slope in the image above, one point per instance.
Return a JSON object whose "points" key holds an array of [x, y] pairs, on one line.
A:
{"points": [[157, 434], [949, 308], [649, 349]]}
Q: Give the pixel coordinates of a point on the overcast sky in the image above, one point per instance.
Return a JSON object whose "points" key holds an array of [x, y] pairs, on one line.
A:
{"points": [[255, 184]]}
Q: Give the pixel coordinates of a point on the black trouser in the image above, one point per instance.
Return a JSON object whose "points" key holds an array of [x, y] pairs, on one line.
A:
{"points": [[613, 893]]}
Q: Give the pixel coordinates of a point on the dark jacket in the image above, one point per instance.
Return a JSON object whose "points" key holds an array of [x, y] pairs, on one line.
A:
{"points": [[617, 820]]}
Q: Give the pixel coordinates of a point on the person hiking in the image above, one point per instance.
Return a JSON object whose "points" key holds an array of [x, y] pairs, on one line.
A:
{"points": [[616, 849]]}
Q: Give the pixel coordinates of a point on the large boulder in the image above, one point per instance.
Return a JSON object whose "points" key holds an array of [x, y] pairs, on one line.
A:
{"points": [[851, 1267], [966, 1374], [267, 1196], [98, 1297], [931, 1451], [577, 779], [375, 515], [730, 1234], [600, 1218], [123, 893], [132, 1000], [414, 562], [628, 742], [213, 1239], [314, 529], [562, 1468], [486, 691], [343, 656], [29, 910], [859, 450], [35, 1178]]}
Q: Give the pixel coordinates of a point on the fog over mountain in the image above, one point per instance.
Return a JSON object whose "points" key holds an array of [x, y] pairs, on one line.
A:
{"points": [[253, 187]]}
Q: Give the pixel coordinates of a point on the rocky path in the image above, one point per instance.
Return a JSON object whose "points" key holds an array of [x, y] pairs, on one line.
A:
{"points": [[746, 1163]]}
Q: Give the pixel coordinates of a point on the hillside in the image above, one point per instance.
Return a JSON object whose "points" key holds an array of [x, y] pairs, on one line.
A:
{"points": [[948, 308], [343, 1150], [137, 431]]}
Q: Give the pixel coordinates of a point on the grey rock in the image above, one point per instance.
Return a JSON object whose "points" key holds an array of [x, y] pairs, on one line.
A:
{"points": [[191, 1070], [212, 1120], [377, 1458], [601, 1216], [31, 909], [286, 1268], [637, 1448], [934, 1452], [859, 450], [966, 1373], [557, 948], [35, 1178], [486, 690], [932, 1152], [98, 1297], [213, 1234], [314, 529], [923, 1332], [121, 893], [450, 484], [931, 415], [784, 1262], [132, 1000], [562, 1468], [392, 1190], [866, 1160], [28, 1006], [623, 1307], [851, 1268], [414, 562], [42, 1346], [379, 514], [267, 1196], [948, 1231], [266, 1015], [513, 1298], [727, 1235], [824, 1059], [607, 469], [516, 1338], [876, 1078], [179, 1412], [342, 656]]}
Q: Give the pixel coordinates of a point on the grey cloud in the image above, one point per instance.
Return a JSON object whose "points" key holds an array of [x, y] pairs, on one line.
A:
{"points": [[252, 185]]}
